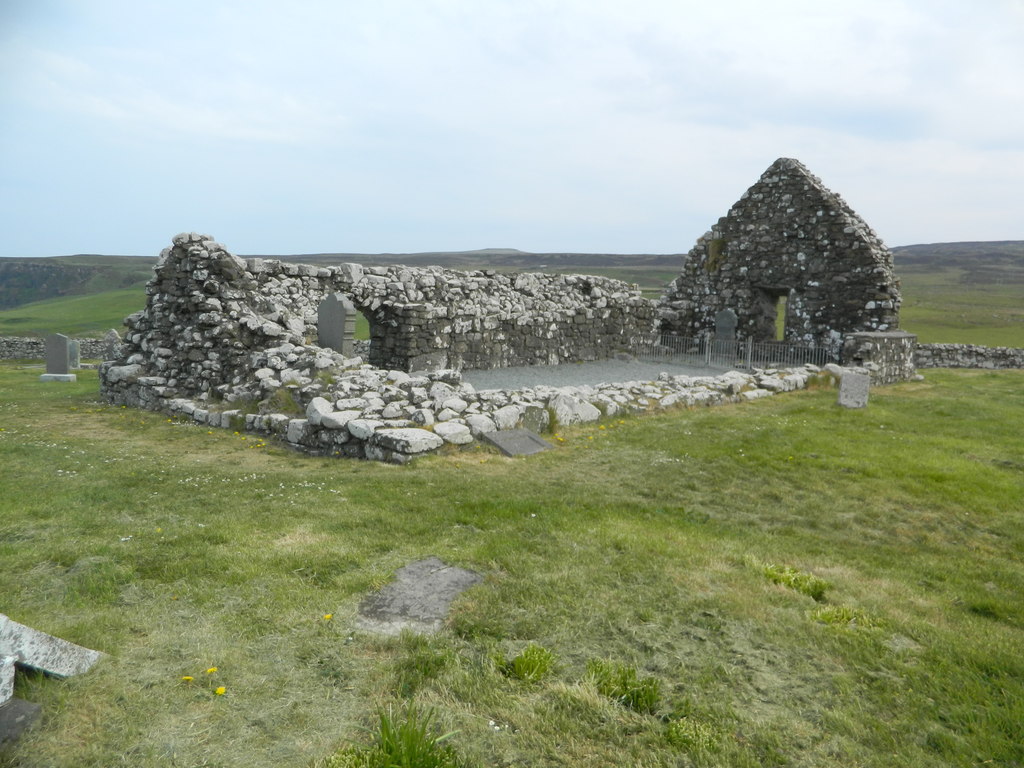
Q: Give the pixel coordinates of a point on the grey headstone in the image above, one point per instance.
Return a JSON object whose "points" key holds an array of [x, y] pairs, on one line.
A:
{"points": [[535, 418], [74, 354], [516, 442], [725, 325], [111, 345], [32, 648], [336, 324], [15, 716], [853, 389], [418, 599], [58, 354]]}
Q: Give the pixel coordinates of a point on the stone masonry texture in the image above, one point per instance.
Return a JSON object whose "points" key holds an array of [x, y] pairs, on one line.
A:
{"points": [[787, 237]]}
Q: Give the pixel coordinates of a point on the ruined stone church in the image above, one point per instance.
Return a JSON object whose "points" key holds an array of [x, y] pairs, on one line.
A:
{"points": [[794, 263]]}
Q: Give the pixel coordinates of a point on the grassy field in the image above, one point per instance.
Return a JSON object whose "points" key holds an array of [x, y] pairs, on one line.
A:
{"points": [[86, 316], [778, 583], [955, 305]]}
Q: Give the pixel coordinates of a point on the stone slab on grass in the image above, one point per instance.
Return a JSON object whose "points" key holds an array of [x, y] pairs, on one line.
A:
{"points": [[15, 716], [32, 648], [517, 442], [418, 599]]}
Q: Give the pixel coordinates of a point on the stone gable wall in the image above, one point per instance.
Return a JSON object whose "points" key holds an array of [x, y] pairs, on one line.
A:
{"points": [[787, 236]]}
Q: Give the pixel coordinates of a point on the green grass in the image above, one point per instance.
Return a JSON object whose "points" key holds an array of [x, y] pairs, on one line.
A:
{"points": [[90, 315], [952, 305], [174, 549]]}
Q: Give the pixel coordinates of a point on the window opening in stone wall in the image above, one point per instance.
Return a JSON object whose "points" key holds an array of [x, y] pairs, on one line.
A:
{"points": [[769, 315], [780, 317]]}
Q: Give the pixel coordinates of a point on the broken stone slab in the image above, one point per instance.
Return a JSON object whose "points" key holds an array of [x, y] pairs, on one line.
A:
{"points": [[517, 442], [418, 599], [38, 650], [6, 678]]}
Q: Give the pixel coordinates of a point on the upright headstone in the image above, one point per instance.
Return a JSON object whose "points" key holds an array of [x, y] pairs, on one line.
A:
{"points": [[74, 354], [111, 345], [725, 325], [336, 324], [58, 359], [853, 389]]}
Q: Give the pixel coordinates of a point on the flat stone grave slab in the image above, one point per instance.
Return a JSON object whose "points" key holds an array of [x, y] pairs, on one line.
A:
{"points": [[516, 442], [853, 389], [418, 599], [15, 716]]}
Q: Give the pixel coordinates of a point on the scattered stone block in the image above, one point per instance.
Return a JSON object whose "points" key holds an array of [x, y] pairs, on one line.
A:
{"points": [[853, 389], [418, 599], [517, 442]]}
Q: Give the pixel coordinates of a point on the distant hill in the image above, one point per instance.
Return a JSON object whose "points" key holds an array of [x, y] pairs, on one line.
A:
{"points": [[24, 280]]}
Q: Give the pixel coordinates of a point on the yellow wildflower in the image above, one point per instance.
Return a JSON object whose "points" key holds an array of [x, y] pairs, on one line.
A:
{"points": [[211, 670], [328, 616], [187, 678], [220, 691]]}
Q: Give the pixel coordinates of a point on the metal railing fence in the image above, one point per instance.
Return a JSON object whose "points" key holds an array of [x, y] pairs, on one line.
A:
{"points": [[709, 352]]}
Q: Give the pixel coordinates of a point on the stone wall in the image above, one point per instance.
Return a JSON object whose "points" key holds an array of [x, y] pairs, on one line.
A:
{"points": [[967, 356], [208, 310], [27, 348], [888, 357], [787, 237]]}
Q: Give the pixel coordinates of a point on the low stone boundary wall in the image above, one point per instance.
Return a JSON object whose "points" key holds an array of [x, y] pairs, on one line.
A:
{"points": [[393, 416], [27, 348], [967, 356]]}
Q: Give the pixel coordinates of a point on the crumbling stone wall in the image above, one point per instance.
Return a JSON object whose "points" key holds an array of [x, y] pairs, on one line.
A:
{"points": [[787, 237], [208, 310], [967, 356]]}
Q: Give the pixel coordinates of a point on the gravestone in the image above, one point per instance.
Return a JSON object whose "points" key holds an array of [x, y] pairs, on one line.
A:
{"points": [[74, 354], [516, 442], [725, 325], [58, 359], [27, 647], [111, 345], [336, 324], [418, 599], [853, 389]]}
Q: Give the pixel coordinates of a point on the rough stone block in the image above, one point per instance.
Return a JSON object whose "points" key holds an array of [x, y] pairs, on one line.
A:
{"points": [[409, 440]]}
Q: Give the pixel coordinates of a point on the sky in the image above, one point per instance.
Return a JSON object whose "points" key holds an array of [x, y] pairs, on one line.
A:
{"points": [[609, 126]]}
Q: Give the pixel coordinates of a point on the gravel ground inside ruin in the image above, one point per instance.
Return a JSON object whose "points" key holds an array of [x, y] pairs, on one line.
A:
{"points": [[577, 374]]}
